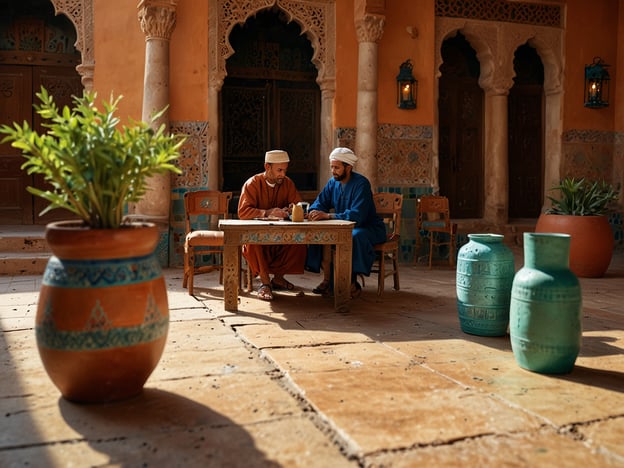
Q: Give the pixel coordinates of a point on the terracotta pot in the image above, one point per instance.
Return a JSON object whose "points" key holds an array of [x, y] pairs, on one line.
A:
{"points": [[103, 315], [591, 246]]}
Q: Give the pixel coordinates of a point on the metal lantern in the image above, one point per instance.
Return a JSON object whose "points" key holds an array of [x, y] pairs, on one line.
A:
{"points": [[596, 84], [406, 86]]}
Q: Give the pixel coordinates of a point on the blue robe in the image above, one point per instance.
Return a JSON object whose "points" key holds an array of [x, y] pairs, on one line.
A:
{"points": [[352, 201]]}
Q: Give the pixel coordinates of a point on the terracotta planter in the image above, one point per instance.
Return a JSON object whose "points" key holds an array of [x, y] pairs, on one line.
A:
{"points": [[591, 246], [103, 315]]}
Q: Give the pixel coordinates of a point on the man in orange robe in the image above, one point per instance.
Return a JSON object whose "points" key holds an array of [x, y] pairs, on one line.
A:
{"points": [[271, 194]]}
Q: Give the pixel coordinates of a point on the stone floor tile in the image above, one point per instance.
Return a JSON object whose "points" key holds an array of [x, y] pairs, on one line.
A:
{"points": [[390, 408], [206, 347], [331, 358], [175, 431], [542, 448], [392, 382], [272, 335], [560, 400], [605, 437]]}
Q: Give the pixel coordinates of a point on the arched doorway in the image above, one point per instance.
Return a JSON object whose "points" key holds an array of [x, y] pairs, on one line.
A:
{"points": [[270, 100], [37, 49], [525, 135], [460, 118]]}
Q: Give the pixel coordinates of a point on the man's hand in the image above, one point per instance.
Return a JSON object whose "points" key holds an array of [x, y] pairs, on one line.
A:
{"points": [[316, 215], [278, 212]]}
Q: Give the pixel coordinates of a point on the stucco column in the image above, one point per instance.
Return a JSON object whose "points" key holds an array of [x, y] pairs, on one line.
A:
{"points": [[552, 142], [369, 29], [212, 170], [496, 165], [157, 19], [327, 111]]}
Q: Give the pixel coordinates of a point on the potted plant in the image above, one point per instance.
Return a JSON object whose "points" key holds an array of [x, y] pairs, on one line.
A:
{"points": [[102, 314], [581, 211]]}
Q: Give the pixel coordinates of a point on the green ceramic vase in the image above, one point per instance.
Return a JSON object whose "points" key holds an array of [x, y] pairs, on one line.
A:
{"points": [[546, 305], [485, 271]]}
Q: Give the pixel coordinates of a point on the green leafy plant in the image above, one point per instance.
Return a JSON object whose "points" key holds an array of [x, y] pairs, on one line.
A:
{"points": [[583, 198], [94, 165]]}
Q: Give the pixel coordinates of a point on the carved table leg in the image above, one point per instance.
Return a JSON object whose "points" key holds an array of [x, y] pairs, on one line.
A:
{"points": [[342, 277], [231, 276]]}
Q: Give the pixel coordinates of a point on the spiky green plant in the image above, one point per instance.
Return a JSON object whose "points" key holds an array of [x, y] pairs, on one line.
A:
{"points": [[94, 165], [583, 198]]}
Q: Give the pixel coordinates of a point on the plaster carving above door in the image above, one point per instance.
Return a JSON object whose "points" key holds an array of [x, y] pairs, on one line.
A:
{"points": [[80, 13]]}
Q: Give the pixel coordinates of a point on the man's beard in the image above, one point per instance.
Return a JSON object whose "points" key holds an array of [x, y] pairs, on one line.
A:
{"points": [[340, 177]]}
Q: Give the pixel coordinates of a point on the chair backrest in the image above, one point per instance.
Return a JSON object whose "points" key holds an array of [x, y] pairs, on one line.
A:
{"points": [[388, 206], [204, 208], [433, 213]]}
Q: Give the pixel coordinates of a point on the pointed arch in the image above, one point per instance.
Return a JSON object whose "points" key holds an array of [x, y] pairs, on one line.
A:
{"points": [[80, 13], [316, 18], [495, 44]]}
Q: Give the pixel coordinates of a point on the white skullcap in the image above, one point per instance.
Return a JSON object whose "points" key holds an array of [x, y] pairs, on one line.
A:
{"points": [[276, 156], [345, 155]]}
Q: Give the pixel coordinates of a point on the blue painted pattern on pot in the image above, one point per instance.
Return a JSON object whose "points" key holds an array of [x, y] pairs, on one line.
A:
{"points": [[485, 271], [546, 306], [89, 274], [99, 332]]}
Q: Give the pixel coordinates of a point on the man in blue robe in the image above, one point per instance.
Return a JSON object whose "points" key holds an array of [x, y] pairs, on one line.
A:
{"points": [[350, 196]]}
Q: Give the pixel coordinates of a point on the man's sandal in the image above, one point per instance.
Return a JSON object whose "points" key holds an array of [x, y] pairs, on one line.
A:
{"points": [[265, 293], [322, 288], [287, 286]]}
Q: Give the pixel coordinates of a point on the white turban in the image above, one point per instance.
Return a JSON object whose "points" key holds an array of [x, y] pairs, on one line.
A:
{"points": [[276, 156], [345, 155]]}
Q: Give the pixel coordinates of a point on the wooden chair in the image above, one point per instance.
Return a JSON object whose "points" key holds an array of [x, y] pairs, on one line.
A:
{"points": [[434, 222], [202, 211], [388, 206]]}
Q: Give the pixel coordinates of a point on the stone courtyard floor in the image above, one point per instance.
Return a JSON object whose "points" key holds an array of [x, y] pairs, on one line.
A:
{"points": [[392, 383]]}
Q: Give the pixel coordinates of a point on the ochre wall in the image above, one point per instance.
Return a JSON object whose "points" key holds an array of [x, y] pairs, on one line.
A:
{"points": [[395, 47], [119, 54], [120, 58], [590, 32], [618, 71], [345, 101], [189, 62]]}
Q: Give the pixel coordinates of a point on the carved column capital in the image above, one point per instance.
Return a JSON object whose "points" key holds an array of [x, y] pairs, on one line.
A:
{"points": [[369, 28], [157, 18]]}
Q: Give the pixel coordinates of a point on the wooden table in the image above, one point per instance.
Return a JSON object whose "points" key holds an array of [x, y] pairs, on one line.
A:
{"points": [[237, 232]]}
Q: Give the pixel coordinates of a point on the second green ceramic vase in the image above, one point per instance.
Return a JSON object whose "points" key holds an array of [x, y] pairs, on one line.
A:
{"points": [[546, 304]]}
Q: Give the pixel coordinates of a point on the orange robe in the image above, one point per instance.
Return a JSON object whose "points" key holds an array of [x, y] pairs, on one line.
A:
{"points": [[256, 197]]}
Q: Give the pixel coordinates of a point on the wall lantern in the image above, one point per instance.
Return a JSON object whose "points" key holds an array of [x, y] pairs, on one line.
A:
{"points": [[596, 84], [407, 86]]}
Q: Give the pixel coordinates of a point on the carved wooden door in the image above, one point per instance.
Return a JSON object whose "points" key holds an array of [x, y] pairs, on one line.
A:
{"points": [[22, 82], [270, 100], [460, 121], [525, 135], [15, 106], [260, 116]]}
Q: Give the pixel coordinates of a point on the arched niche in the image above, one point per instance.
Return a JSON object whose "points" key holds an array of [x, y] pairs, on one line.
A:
{"points": [[316, 20], [495, 44]]}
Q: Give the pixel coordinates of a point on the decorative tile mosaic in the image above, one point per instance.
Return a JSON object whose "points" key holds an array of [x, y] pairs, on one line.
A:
{"points": [[588, 153], [193, 156], [404, 153]]}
